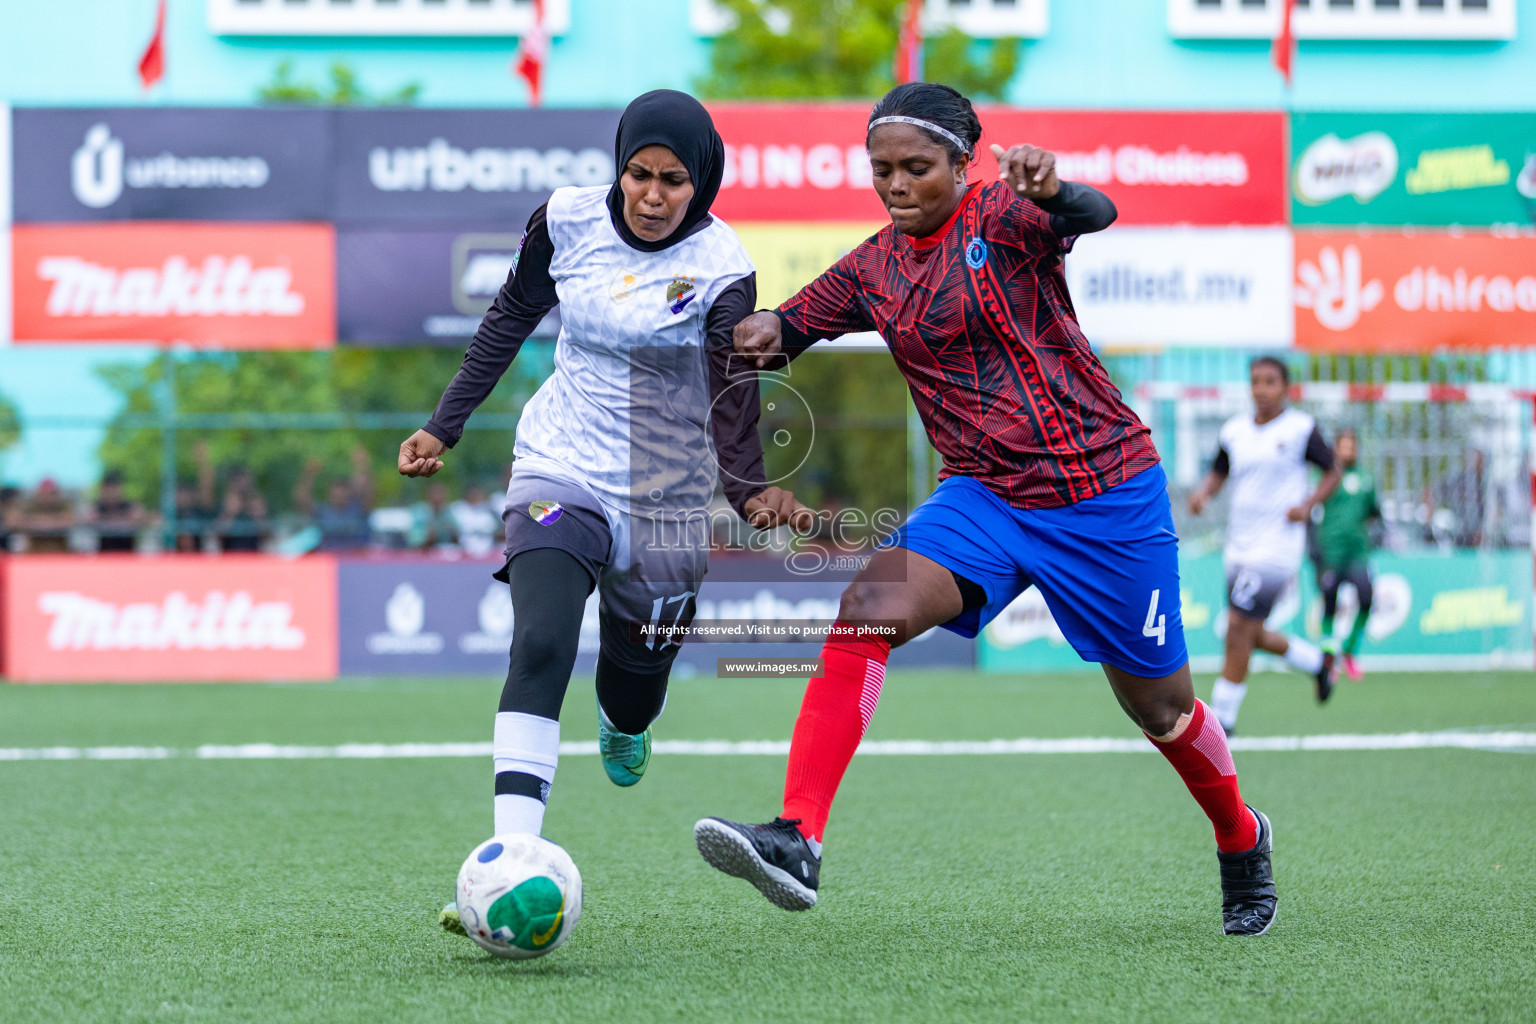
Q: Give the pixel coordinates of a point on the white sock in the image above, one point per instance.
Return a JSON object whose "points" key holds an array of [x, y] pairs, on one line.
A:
{"points": [[525, 749], [1226, 699], [1303, 654]]}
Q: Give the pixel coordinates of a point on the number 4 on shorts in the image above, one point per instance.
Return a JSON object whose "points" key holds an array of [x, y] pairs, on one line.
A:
{"points": [[1156, 625]]}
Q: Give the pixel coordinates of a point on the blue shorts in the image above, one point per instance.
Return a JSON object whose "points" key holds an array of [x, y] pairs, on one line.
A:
{"points": [[1108, 567]]}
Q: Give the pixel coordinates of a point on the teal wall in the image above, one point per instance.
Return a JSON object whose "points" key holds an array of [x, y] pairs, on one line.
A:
{"points": [[1099, 53]]}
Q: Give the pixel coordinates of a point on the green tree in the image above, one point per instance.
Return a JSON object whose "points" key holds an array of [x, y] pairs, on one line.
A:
{"points": [[10, 423], [346, 90], [242, 405], [841, 49]]}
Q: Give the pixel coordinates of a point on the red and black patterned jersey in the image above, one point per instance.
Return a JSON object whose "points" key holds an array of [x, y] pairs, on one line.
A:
{"points": [[979, 321]]}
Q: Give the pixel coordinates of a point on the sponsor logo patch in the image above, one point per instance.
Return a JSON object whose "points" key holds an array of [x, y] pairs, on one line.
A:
{"points": [[624, 284]]}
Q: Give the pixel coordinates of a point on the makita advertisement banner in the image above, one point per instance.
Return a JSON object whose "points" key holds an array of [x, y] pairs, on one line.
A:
{"points": [[807, 162], [419, 617], [1184, 286], [171, 163], [488, 168], [71, 618], [227, 285], [421, 287], [1425, 169], [1414, 292]]}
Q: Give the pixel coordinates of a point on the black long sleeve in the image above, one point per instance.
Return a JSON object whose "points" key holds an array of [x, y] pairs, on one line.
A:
{"points": [[1078, 209], [733, 393], [522, 303]]}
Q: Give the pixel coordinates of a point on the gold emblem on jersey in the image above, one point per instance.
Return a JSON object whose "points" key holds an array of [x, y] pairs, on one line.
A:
{"points": [[624, 285]]}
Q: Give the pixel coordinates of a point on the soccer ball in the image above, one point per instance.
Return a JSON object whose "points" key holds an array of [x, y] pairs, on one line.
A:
{"points": [[519, 896]]}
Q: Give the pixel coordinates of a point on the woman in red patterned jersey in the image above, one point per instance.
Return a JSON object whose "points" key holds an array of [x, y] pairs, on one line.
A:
{"points": [[1049, 480]]}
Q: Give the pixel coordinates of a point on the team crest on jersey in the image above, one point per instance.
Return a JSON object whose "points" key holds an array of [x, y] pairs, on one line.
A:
{"points": [[679, 293], [625, 282], [545, 512], [976, 254]]}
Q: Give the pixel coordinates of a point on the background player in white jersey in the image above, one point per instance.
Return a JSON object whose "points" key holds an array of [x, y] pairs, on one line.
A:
{"points": [[1265, 455], [615, 466]]}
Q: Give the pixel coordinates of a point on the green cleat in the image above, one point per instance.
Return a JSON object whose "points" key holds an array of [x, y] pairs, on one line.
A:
{"points": [[449, 919], [625, 756]]}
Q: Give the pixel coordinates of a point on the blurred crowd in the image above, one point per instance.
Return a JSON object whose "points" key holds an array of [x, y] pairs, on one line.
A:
{"points": [[223, 511]]}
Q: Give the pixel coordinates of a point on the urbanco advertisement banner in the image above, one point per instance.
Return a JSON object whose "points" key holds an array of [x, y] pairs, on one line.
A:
{"points": [[1400, 292], [808, 162], [1184, 286], [223, 285], [1466, 609], [1421, 169], [123, 618], [430, 286], [426, 617], [487, 168], [181, 163]]}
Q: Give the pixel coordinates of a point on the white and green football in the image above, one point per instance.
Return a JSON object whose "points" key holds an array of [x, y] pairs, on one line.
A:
{"points": [[519, 896]]}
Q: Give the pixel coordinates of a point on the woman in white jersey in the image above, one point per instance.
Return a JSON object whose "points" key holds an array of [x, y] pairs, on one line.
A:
{"points": [[1265, 454], [615, 464]]}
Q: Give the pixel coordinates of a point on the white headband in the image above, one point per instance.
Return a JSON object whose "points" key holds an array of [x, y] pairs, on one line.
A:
{"points": [[929, 125]]}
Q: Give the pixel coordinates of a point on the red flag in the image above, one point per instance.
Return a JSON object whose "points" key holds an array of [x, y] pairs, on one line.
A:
{"points": [[529, 63], [152, 64], [1284, 49], [909, 48]]}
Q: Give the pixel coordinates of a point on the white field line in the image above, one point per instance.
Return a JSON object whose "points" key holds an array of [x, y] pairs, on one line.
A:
{"points": [[778, 748]]}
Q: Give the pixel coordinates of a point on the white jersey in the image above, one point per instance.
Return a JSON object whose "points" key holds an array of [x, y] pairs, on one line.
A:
{"points": [[1266, 478], [626, 412]]}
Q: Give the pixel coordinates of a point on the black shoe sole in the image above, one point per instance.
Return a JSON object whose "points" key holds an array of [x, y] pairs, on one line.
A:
{"points": [[729, 851]]}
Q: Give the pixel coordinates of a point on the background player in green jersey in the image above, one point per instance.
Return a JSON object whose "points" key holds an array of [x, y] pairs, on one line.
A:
{"points": [[1342, 545]]}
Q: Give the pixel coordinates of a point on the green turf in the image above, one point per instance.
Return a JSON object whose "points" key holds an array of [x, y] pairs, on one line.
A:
{"points": [[1060, 887]]}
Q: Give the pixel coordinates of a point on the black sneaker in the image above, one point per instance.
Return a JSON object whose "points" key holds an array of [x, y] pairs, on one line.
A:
{"points": [[1324, 678], [774, 857], [1248, 901]]}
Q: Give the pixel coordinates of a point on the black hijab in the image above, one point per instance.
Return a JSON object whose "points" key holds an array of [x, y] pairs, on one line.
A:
{"points": [[679, 122]]}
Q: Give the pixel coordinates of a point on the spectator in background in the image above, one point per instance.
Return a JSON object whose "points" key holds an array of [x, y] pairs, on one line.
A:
{"points": [[195, 511], [479, 529], [343, 518], [10, 518], [117, 520], [242, 521], [46, 519], [434, 526]]}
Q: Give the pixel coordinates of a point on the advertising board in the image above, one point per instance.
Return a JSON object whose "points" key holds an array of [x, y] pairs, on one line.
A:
{"points": [[1466, 609], [1421, 169], [426, 617], [1414, 292], [125, 618], [226, 285], [486, 168], [804, 162], [1184, 286], [428, 286], [182, 163]]}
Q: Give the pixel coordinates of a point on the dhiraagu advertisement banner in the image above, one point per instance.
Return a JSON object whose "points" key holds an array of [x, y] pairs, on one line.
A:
{"points": [[1463, 610], [1422, 169]]}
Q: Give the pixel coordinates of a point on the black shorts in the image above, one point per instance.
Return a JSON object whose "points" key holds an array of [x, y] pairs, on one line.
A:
{"points": [[1252, 590], [647, 575]]}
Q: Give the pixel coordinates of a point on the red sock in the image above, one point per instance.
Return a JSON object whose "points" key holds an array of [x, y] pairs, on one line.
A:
{"points": [[1202, 759], [833, 716]]}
